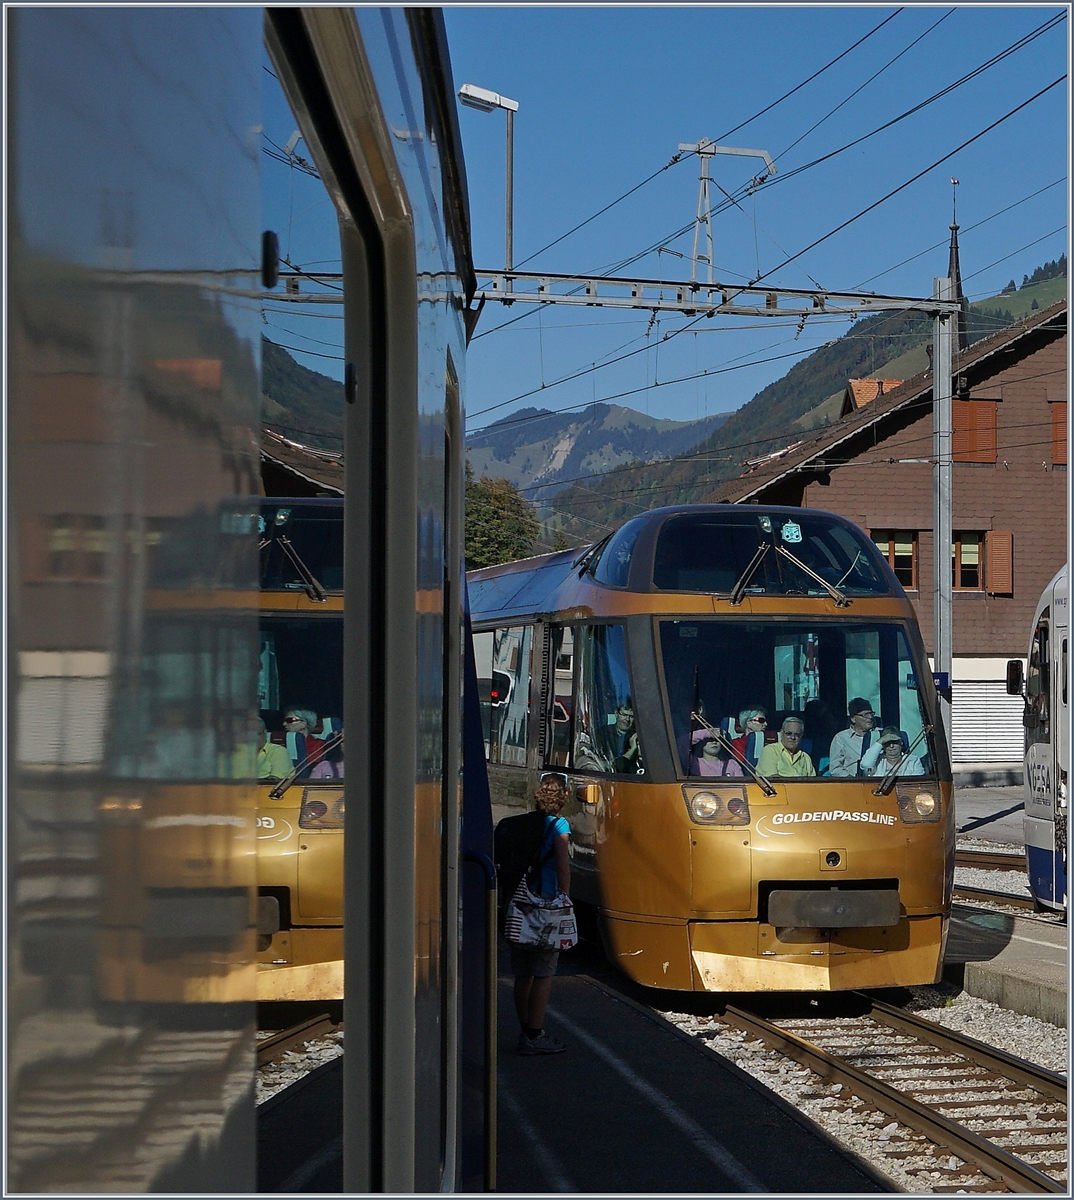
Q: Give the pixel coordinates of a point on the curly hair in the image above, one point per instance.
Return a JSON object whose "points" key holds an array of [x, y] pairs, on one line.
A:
{"points": [[551, 794]]}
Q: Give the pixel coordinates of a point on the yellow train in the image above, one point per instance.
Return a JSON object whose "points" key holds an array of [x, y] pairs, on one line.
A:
{"points": [[800, 849], [300, 810]]}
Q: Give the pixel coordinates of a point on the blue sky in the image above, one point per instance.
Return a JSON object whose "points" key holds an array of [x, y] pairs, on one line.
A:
{"points": [[607, 93]]}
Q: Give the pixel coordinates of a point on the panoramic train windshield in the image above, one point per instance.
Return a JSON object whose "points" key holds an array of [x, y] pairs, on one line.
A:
{"points": [[301, 547], [759, 553], [301, 675], [747, 678]]}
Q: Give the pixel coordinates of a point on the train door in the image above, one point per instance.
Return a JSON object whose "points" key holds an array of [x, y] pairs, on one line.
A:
{"points": [[1061, 678], [1041, 767]]}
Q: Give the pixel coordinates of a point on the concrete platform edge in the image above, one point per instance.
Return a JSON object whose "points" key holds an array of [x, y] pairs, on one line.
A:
{"points": [[1031, 997], [868, 1169]]}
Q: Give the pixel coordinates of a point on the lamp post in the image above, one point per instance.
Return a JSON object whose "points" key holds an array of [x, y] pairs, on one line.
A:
{"points": [[485, 101]]}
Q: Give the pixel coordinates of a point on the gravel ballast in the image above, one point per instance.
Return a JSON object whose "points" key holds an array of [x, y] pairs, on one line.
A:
{"points": [[856, 1124]]}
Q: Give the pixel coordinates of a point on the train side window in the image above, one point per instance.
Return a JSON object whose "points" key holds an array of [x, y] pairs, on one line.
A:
{"points": [[1037, 718], [1063, 671], [605, 728], [509, 699], [560, 695], [613, 566]]}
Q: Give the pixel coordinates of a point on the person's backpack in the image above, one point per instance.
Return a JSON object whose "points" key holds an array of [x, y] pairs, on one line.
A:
{"points": [[516, 847]]}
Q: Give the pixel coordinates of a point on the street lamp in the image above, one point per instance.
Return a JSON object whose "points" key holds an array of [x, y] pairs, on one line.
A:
{"points": [[485, 101]]}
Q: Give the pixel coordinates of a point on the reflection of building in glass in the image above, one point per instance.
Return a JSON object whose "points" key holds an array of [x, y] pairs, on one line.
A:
{"points": [[133, 411]]}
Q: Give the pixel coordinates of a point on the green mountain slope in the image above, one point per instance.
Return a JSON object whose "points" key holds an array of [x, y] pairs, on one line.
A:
{"points": [[299, 403], [537, 447]]}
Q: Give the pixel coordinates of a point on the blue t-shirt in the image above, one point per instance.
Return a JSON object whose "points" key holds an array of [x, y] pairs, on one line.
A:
{"points": [[553, 827]]}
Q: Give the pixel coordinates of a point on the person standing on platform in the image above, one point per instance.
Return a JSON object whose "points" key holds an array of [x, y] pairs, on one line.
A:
{"points": [[535, 968]]}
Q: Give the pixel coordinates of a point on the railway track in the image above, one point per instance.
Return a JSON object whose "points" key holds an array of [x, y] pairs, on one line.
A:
{"points": [[990, 860], [970, 1116], [274, 1047]]}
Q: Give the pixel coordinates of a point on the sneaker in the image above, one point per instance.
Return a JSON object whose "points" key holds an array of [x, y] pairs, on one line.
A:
{"points": [[544, 1044]]}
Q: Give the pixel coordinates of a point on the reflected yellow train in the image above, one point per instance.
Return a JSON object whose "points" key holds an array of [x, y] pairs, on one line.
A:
{"points": [[300, 818], [722, 855]]}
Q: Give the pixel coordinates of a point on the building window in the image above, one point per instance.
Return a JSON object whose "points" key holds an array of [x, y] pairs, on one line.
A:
{"points": [[973, 431], [1059, 432], [76, 546], [967, 566], [899, 547]]}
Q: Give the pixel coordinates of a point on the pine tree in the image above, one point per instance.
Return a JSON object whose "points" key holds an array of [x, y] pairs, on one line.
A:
{"points": [[500, 522]]}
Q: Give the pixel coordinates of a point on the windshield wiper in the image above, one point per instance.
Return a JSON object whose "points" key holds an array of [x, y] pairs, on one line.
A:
{"points": [[313, 586], [725, 742], [739, 590], [888, 782], [313, 757], [841, 599]]}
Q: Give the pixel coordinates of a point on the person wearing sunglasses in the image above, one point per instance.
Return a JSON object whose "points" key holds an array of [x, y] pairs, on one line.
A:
{"points": [[752, 725], [850, 744]]}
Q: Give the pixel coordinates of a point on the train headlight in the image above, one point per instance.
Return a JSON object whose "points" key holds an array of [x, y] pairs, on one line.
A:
{"points": [[321, 809], [918, 801], [726, 806]]}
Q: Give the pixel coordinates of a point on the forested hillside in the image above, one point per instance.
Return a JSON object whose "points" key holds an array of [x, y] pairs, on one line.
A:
{"points": [[883, 346]]}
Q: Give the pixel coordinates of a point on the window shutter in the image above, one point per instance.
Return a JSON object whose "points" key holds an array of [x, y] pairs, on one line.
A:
{"points": [[973, 427], [1059, 432], [961, 444], [999, 562]]}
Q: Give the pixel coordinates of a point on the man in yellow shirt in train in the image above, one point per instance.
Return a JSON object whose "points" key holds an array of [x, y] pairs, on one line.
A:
{"points": [[784, 758]]}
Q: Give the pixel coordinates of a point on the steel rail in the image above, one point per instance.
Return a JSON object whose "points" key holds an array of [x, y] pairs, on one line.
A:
{"points": [[273, 1048], [990, 860], [968, 893], [991, 1160], [1048, 1083]]}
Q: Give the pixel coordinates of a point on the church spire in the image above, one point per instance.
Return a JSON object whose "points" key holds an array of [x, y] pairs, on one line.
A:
{"points": [[955, 275]]}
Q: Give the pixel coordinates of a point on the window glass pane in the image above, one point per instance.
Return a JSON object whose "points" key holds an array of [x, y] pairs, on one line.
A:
{"points": [[561, 695], [483, 661], [296, 536], [710, 552], [510, 693], [301, 669], [807, 670], [605, 730], [1037, 681], [613, 567], [883, 543], [903, 563]]}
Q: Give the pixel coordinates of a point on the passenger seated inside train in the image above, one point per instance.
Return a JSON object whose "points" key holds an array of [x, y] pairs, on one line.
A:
{"points": [[707, 757], [850, 744], [273, 761], [890, 752], [785, 758], [303, 737], [751, 728]]}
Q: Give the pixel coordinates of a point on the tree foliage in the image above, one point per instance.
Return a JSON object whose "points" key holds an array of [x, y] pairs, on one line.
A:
{"points": [[500, 522]]}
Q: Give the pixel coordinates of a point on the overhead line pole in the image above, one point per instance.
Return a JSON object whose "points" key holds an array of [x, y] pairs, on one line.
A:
{"points": [[945, 324]]}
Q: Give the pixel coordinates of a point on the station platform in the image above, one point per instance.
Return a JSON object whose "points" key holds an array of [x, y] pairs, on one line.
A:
{"points": [[1016, 963], [635, 1105]]}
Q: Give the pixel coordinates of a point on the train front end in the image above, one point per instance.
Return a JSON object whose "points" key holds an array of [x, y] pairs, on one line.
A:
{"points": [[786, 820]]}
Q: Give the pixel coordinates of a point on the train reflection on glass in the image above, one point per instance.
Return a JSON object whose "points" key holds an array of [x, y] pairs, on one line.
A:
{"points": [[741, 699], [143, 683]]}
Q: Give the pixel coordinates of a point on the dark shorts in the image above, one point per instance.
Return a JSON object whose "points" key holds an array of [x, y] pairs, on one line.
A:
{"points": [[533, 960]]}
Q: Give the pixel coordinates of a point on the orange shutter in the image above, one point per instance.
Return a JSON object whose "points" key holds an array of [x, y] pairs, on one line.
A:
{"points": [[973, 428], [1059, 432], [999, 562], [961, 444]]}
